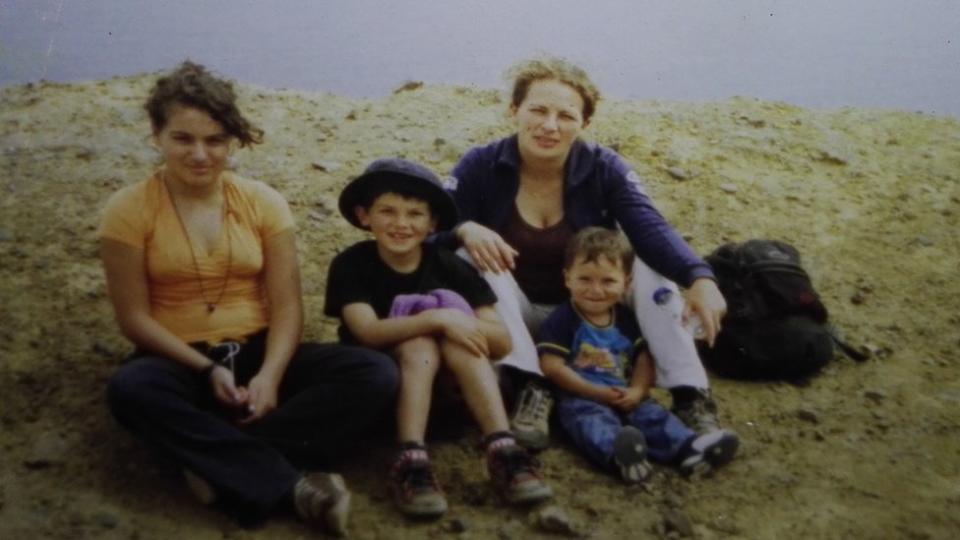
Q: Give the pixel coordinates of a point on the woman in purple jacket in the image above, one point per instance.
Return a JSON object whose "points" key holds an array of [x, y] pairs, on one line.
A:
{"points": [[521, 198]]}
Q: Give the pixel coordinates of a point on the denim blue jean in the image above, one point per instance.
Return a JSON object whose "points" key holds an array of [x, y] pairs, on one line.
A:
{"points": [[594, 426]]}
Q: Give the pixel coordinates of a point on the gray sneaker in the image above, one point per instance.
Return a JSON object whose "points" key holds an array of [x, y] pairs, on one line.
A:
{"points": [[322, 499], [530, 423], [695, 408], [709, 452], [630, 455]]}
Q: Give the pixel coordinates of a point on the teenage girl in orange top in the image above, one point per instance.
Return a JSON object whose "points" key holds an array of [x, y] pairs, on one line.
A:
{"points": [[202, 271]]}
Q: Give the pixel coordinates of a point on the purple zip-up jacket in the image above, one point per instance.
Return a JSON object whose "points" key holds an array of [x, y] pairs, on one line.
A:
{"points": [[599, 189]]}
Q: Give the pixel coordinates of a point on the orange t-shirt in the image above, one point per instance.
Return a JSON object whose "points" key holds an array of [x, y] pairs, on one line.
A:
{"points": [[142, 215]]}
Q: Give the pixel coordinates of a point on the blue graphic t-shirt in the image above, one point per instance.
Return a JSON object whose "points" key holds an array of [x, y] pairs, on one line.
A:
{"points": [[599, 354]]}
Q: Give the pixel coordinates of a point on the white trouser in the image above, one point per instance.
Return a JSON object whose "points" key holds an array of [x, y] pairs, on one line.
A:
{"points": [[674, 353]]}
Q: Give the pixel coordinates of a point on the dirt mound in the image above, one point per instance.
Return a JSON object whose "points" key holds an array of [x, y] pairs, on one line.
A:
{"points": [[871, 198]]}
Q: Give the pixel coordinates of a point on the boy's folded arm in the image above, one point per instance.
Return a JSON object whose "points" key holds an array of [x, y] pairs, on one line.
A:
{"points": [[492, 328], [559, 373], [372, 331]]}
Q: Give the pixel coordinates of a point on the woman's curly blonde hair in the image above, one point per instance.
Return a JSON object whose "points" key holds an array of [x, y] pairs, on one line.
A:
{"points": [[526, 72]]}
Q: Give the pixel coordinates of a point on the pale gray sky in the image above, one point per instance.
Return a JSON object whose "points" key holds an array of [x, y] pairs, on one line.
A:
{"points": [[819, 53]]}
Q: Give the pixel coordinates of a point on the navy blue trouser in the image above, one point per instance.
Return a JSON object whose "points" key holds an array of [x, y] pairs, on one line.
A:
{"points": [[329, 394], [594, 426]]}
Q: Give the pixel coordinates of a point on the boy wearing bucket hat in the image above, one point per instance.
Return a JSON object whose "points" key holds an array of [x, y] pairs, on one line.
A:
{"points": [[432, 311]]}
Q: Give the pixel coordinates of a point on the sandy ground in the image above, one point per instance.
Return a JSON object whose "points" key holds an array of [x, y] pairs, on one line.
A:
{"points": [[871, 199]]}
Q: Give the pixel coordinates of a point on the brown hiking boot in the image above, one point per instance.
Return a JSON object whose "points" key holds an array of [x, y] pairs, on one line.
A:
{"points": [[695, 408]]}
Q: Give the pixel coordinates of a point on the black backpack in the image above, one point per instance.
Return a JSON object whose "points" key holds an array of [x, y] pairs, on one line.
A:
{"points": [[776, 325]]}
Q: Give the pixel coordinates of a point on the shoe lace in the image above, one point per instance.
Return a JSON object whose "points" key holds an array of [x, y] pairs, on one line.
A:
{"points": [[417, 477], [701, 414], [516, 464], [534, 405]]}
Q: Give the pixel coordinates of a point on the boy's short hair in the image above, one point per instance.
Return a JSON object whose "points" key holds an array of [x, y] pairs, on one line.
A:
{"points": [[592, 243], [403, 177]]}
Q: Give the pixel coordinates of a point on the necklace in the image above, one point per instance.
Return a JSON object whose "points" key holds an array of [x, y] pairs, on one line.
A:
{"points": [[211, 306]]}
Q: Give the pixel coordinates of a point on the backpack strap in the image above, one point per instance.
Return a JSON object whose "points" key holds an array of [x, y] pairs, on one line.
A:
{"points": [[852, 352], [777, 266]]}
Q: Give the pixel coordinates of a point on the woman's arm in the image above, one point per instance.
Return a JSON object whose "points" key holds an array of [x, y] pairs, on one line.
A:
{"points": [[560, 374], [489, 251], [128, 292], [655, 241], [282, 280], [659, 245], [469, 187]]}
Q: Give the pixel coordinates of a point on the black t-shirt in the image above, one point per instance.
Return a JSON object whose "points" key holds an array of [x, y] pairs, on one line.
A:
{"points": [[358, 275]]}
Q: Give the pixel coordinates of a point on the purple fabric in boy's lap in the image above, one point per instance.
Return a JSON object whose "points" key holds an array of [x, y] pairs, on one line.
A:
{"points": [[410, 304]]}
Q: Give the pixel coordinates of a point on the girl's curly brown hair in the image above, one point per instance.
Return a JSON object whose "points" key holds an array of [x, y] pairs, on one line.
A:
{"points": [[192, 85]]}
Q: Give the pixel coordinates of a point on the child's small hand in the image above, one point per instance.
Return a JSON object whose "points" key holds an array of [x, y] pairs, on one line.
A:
{"points": [[462, 329], [608, 395], [629, 398]]}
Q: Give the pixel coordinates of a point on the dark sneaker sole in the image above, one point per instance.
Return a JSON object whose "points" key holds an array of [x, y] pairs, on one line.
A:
{"points": [[530, 495], [424, 510], [722, 452], [338, 515], [533, 440], [718, 449], [630, 454]]}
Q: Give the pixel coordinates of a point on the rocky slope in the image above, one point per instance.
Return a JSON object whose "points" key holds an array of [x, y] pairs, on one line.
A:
{"points": [[871, 199]]}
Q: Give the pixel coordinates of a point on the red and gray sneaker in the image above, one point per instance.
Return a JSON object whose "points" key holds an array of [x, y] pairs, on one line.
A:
{"points": [[515, 475], [414, 486]]}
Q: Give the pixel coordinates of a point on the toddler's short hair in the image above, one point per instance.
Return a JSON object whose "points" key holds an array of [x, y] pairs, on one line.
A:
{"points": [[592, 243]]}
